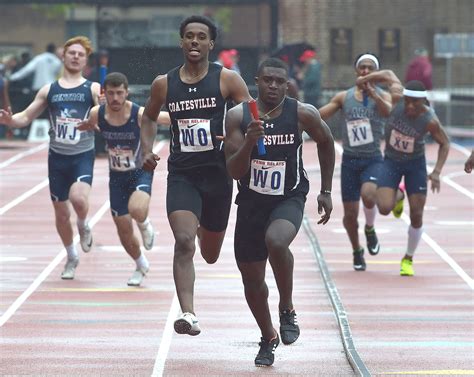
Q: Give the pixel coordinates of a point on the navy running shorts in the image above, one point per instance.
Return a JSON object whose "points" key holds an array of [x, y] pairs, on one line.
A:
{"points": [[206, 192], [355, 171], [253, 220], [414, 171], [123, 184], [64, 170]]}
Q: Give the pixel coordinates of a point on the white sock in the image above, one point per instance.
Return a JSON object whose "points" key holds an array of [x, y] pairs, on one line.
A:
{"points": [[81, 223], [414, 237], [142, 262], [71, 252], [370, 214], [144, 224]]}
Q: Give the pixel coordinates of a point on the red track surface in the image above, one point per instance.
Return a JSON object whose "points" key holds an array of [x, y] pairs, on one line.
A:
{"points": [[96, 325]]}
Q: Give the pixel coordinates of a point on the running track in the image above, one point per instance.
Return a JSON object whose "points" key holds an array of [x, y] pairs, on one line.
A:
{"points": [[353, 323]]}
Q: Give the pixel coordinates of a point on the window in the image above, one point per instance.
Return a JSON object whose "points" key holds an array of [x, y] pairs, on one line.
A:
{"points": [[389, 45], [341, 46]]}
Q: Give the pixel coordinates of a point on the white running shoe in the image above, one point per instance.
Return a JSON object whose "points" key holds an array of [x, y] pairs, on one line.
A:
{"points": [[187, 323], [148, 236], [85, 235], [137, 277], [70, 269]]}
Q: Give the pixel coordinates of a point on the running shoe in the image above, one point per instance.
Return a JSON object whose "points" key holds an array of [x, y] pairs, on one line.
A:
{"points": [[70, 269], [359, 261], [266, 353], [398, 209], [137, 277], [85, 235], [148, 235], [373, 245], [406, 267], [187, 323], [289, 329]]}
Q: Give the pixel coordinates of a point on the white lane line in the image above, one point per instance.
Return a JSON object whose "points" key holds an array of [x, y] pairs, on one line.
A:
{"points": [[461, 149], [45, 273], [455, 223], [446, 179], [20, 155], [444, 255], [165, 343], [24, 196]]}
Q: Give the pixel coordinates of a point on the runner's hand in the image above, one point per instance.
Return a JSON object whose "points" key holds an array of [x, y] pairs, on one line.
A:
{"points": [[435, 181], [324, 203], [150, 161], [87, 125], [6, 116]]}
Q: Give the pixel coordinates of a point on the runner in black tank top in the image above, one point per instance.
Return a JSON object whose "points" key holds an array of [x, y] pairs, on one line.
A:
{"points": [[272, 194], [199, 190]]}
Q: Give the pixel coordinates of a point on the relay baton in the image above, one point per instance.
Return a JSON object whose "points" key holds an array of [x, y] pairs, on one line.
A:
{"points": [[102, 74], [365, 99], [254, 111]]}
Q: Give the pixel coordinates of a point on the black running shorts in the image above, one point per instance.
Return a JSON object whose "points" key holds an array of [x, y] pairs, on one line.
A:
{"points": [[207, 193], [254, 218]]}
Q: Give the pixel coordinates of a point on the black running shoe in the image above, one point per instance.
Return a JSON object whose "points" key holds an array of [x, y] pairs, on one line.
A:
{"points": [[289, 330], [359, 261], [266, 353], [373, 245]]}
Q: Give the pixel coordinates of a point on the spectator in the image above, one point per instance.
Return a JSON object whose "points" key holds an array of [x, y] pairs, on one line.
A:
{"points": [[420, 69], [310, 76], [46, 68], [235, 57]]}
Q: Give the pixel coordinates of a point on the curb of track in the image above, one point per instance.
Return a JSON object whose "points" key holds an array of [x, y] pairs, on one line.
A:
{"points": [[350, 350]]}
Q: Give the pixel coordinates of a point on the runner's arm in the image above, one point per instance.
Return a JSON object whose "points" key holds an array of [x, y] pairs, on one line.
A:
{"points": [[238, 147], [331, 108], [310, 121], [439, 135], [148, 122], [25, 117]]}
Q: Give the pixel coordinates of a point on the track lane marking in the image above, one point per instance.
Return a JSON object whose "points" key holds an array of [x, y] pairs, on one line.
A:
{"points": [[20, 155]]}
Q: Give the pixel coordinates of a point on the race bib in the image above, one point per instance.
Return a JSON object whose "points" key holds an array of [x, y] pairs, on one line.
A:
{"points": [[401, 142], [267, 177], [121, 159], [359, 132], [66, 131], [195, 135]]}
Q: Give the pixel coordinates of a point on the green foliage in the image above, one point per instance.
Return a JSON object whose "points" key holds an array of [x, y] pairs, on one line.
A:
{"points": [[53, 11], [223, 17]]}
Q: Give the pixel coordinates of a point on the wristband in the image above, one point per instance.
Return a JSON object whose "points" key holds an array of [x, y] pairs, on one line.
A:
{"points": [[327, 192]]}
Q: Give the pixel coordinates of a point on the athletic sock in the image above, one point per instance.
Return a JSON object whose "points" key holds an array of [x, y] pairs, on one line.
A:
{"points": [[142, 262], [370, 214], [414, 237], [81, 223], [144, 224], [71, 252]]}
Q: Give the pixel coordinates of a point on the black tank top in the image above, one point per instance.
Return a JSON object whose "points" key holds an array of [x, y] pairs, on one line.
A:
{"points": [[279, 173], [197, 117]]}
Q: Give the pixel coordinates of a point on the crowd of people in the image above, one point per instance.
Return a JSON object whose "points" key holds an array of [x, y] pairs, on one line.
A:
{"points": [[211, 146]]}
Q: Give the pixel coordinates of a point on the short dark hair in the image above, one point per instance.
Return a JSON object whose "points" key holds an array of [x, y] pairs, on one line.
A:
{"points": [[51, 47], [272, 62], [200, 20], [115, 79], [415, 85]]}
